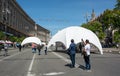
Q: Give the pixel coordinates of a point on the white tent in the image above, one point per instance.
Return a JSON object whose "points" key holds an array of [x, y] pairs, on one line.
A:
{"points": [[31, 40], [77, 33]]}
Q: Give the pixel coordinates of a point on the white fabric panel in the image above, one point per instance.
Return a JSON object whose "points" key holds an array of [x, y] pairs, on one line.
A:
{"points": [[60, 36]]}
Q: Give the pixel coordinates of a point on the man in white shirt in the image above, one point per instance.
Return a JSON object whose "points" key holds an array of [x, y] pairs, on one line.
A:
{"points": [[87, 55]]}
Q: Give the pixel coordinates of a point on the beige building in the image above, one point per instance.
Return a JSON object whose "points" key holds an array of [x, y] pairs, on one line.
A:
{"points": [[15, 21], [42, 33]]}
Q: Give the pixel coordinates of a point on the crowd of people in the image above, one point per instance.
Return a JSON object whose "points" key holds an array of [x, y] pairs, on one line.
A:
{"points": [[38, 47], [84, 47], [4, 46]]}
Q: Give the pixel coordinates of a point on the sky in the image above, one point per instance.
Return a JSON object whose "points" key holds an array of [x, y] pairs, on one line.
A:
{"points": [[56, 15]]}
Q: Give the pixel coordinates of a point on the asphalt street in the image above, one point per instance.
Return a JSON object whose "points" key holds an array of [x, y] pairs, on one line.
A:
{"points": [[26, 63]]}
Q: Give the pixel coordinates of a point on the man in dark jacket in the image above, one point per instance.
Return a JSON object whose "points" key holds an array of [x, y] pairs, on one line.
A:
{"points": [[72, 49]]}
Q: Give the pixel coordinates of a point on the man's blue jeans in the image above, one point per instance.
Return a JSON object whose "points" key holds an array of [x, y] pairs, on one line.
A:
{"points": [[87, 62], [72, 57]]}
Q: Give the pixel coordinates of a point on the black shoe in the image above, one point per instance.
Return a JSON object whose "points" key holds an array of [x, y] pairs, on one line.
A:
{"points": [[72, 66]]}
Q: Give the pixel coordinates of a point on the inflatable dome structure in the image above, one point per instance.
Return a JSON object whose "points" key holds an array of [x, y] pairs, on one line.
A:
{"points": [[77, 33]]}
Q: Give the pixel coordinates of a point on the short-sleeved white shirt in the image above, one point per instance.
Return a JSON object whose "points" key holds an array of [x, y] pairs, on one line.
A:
{"points": [[87, 49]]}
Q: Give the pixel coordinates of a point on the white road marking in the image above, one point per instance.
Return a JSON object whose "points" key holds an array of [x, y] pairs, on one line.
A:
{"points": [[30, 67], [53, 73], [63, 58], [13, 55]]}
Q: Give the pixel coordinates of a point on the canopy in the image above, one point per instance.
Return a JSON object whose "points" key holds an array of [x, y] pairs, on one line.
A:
{"points": [[8, 42], [31, 40], [77, 33], [2, 41]]}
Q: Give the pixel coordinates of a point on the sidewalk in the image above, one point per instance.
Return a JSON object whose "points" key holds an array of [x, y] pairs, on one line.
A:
{"points": [[112, 50]]}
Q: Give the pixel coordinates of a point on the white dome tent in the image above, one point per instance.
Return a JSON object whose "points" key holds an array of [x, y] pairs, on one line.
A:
{"points": [[31, 40], [77, 33]]}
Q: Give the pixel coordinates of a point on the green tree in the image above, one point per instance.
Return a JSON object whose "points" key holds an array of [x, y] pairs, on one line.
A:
{"points": [[117, 14], [117, 5], [2, 35], [106, 18], [13, 38], [21, 39], [96, 27], [16, 39], [116, 19], [117, 37], [110, 18]]}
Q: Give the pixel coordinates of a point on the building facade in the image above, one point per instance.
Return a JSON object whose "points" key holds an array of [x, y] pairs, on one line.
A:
{"points": [[15, 21], [43, 33]]}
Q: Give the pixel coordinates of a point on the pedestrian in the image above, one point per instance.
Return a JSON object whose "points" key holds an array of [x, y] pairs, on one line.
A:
{"points": [[5, 49], [72, 49], [81, 46], [19, 46], [45, 49], [39, 48], [86, 55], [33, 48]]}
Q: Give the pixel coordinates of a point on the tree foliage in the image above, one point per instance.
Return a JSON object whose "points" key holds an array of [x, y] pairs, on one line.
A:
{"points": [[16, 39], [117, 6], [11, 38], [96, 27], [110, 18], [2, 35], [117, 36]]}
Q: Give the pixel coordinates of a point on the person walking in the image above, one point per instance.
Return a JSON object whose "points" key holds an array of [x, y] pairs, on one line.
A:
{"points": [[86, 55], [5, 49], [19, 46], [33, 48], [39, 49], [45, 49], [72, 49], [81, 46]]}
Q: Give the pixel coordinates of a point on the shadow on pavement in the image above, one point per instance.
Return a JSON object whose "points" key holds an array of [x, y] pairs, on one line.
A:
{"points": [[82, 67]]}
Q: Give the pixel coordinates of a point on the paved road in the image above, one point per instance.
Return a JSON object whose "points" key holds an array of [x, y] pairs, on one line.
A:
{"points": [[26, 63]]}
